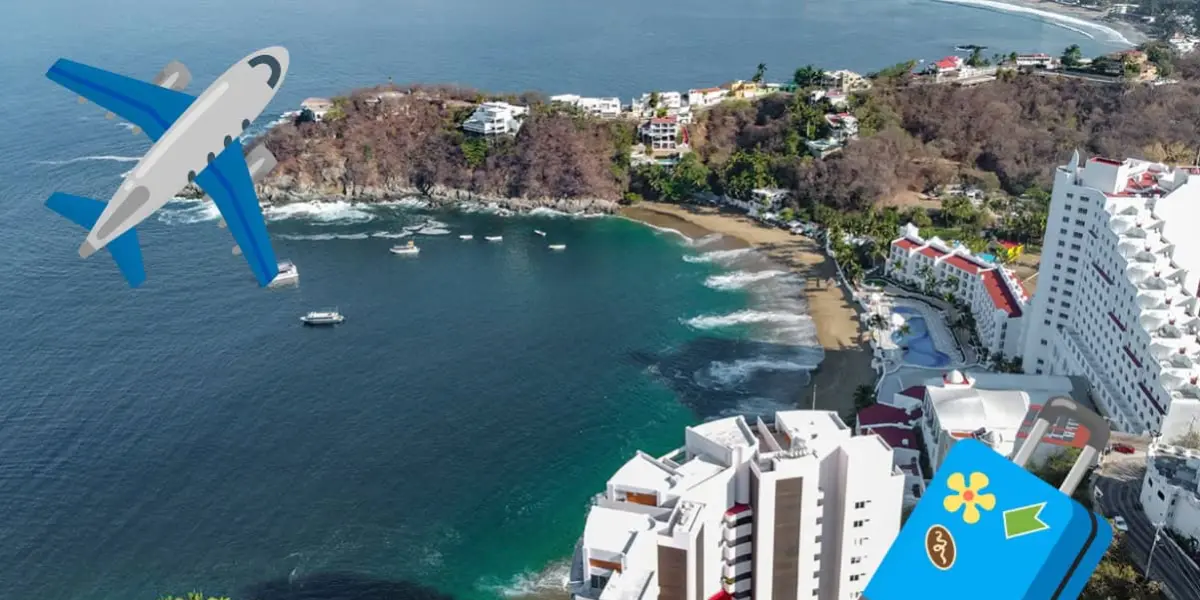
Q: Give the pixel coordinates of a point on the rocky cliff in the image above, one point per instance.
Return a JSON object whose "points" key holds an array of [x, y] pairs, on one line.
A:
{"points": [[400, 143]]}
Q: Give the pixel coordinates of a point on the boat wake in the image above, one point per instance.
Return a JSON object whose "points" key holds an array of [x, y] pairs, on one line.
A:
{"points": [[80, 159]]}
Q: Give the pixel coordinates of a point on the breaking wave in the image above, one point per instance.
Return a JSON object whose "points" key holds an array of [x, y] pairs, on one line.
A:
{"points": [[732, 372], [745, 317], [717, 255], [433, 231], [185, 211], [553, 578], [331, 213], [740, 279], [708, 239]]}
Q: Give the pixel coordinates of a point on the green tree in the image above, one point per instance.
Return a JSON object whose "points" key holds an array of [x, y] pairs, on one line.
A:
{"points": [[976, 59], [1191, 439], [745, 172], [689, 177], [1115, 578], [864, 396], [1072, 56], [474, 150], [759, 72], [896, 71], [917, 216], [808, 76], [653, 102]]}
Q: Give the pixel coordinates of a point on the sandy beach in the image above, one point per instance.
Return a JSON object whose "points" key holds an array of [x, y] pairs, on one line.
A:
{"points": [[1065, 15], [847, 362]]}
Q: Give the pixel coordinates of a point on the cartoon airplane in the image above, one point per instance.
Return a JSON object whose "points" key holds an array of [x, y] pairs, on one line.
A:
{"points": [[196, 139]]}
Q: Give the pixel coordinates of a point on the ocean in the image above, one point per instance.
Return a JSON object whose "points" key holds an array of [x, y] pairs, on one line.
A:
{"points": [[446, 440]]}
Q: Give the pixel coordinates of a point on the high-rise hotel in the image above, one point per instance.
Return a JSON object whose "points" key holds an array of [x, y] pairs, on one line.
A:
{"points": [[1116, 297], [791, 510]]}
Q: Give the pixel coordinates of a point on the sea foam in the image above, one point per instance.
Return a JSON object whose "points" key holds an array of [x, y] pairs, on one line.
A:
{"points": [[740, 279]]}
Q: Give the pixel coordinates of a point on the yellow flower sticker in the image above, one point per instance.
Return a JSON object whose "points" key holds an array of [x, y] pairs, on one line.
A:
{"points": [[968, 496]]}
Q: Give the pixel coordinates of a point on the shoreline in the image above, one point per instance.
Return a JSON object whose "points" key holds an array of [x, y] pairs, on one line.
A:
{"points": [[1069, 17], [847, 362]]}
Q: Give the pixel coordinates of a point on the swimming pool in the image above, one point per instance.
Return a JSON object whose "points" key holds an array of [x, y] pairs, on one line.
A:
{"points": [[919, 348]]}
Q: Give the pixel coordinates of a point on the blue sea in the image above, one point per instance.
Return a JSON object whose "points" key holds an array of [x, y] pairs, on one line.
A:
{"points": [[447, 438]]}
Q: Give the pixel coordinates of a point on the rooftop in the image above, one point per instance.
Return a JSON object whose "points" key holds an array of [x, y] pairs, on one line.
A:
{"points": [[645, 472], [916, 391], [963, 264], [729, 432], [896, 436], [1179, 465], [1000, 293], [882, 414], [611, 530]]}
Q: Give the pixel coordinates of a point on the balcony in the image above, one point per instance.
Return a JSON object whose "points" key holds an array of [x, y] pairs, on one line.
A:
{"points": [[1111, 400]]}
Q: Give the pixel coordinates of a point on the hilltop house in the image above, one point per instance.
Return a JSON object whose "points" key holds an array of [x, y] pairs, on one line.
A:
{"points": [[846, 81], [843, 125], [706, 96], [608, 108], [317, 106], [661, 134], [496, 118]]}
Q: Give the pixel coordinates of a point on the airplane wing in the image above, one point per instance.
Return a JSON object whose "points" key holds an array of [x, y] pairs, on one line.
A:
{"points": [[151, 107], [228, 181]]}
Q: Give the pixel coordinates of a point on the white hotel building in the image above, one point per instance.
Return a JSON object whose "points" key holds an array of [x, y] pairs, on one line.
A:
{"points": [[1116, 297], [995, 296], [793, 510]]}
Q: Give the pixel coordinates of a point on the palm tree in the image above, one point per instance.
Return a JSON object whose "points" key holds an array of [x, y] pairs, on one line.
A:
{"points": [[864, 396], [877, 321], [905, 329], [759, 72]]}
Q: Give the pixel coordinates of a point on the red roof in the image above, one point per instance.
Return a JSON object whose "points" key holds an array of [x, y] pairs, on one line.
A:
{"points": [[1007, 245], [737, 509], [906, 243], [897, 437], [1001, 296], [963, 264], [1063, 432], [950, 62], [916, 391], [882, 414], [1106, 161], [932, 252], [720, 595], [664, 120]]}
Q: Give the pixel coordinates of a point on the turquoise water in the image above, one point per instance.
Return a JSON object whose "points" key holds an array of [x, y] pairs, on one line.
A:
{"points": [[919, 347], [191, 434]]}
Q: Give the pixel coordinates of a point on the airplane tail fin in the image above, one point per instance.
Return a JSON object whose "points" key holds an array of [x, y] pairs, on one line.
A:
{"points": [[125, 249]]}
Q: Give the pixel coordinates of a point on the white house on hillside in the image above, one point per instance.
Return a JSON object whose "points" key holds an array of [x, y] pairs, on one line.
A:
{"points": [[608, 108], [706, 96], [1171, 489], [496, 118]]}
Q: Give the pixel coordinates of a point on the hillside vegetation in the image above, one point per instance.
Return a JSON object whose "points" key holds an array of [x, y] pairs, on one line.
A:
{"points": [[1007, 135]]}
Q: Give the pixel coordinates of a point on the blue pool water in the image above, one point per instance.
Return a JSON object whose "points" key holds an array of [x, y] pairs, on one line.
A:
{"points": [[919, 347], [988, 257]]}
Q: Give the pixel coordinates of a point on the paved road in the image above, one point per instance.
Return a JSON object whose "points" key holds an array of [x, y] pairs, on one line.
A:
{"points": [[1083, 76], [1120, 483]]}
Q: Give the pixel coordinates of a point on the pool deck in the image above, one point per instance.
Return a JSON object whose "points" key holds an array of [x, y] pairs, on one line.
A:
{"points": [[884, 304]]}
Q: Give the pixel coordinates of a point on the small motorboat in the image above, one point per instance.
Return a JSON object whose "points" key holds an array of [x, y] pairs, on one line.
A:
{"points": [[558, 246], [493, 238], [409, 248], [288, 273], [466, 237], [323, 317], [540, 232]]}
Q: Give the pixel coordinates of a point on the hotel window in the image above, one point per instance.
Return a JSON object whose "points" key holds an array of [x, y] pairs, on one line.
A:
{"points": [[1067, 206], [858, 523], [1063, 231], [854, 578], [1070, 195], [1061, 243], [860, 505], [854, 560]]}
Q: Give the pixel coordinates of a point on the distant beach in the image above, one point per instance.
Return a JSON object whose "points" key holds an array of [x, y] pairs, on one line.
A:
{"points": [[847, 362], [1080, 20]]}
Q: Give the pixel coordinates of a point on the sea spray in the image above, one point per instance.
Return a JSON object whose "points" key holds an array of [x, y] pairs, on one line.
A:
{"points": [[717, 256], [740, 279], [744, 317]]}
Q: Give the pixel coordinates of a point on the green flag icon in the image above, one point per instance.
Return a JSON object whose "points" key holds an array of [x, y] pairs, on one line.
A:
{"points": [[1024, 520]]}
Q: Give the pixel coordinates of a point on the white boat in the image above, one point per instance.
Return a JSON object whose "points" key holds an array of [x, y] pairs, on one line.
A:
{"points": [[288, 273], [323, 317], [466, 237], [493, 238], [558, 246], [409, 248], [540, 232]]}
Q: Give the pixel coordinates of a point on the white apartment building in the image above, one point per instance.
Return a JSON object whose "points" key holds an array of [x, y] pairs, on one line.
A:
{"points": [[608, 108], [997, 300], [996, 408], [1171, 489], [1116, 299], [791, 510], [317, 106], [1037, 61], [661, 133], [668, 100], [846, 81], [706, 96], [496, 118]]}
